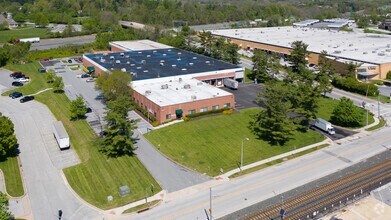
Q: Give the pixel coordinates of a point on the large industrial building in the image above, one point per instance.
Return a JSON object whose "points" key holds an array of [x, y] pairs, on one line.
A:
{"points": [[166, 81], [370, 52]]}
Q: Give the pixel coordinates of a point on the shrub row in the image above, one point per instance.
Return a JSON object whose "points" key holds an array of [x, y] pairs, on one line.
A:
{"points": [[145, 113], [198, 114], [352, 85]]}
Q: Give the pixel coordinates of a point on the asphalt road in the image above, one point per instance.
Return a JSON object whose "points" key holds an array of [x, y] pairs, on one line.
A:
{"points": [[169, 175], [57, 42], [45, 185]]}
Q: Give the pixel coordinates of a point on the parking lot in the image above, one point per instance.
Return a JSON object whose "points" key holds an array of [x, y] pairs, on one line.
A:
{"points": [[5, 80], [246, 95]]}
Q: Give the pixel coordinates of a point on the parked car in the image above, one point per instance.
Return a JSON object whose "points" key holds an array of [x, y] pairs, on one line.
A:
{"points": [[84, 76], [89, 110], [26, 98], [16, 83], [45, 59], [90, 79], [15, 95], [25, 79], [19, 76], [15, 74], [69, 61], [42, 70]]}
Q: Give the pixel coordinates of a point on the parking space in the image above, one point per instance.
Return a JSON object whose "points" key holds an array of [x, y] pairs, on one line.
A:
{"points": [[246, 95], [5, 80]]}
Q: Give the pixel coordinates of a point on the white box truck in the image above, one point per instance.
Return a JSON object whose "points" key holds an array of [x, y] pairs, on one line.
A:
{"points": [[31, 40], [61, 135], [231, 83], [324, 126]]}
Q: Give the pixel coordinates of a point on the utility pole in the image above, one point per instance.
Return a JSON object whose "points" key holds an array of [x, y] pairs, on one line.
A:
{"points": [[367, 116], [378, 106], [210, 203]]}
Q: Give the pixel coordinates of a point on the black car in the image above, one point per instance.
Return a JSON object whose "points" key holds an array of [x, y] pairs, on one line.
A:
{"points": [[69, 61], [27, 98], [15, 95], [19, 76], [17, 83], [89, 110]]}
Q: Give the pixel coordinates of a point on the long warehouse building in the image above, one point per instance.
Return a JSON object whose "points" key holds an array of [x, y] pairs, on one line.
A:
{"points": [[370, 52]]}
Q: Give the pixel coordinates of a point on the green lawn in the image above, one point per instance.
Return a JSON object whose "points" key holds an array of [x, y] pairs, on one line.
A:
{"points": [[327, 105], [13, 181], [211, 143], [98, 176], [27, 32], [37, 80], [381, 123]]}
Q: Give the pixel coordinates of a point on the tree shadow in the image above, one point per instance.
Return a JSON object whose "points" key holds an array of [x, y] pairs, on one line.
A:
{"points": [[59, 91], [13, 152]]}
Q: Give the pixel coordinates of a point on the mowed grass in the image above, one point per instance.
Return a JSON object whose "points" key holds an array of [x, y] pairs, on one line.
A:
{"points": [[13, 180], [214, 142], [37, 80], [327, 105], [27, 32], [98, 176]]}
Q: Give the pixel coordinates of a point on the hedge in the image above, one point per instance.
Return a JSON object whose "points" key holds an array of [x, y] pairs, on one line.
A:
{"points": [[352, 85], [198, 114]]}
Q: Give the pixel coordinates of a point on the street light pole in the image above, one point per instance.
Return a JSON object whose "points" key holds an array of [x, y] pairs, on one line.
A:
{"points": [[241, 153]]}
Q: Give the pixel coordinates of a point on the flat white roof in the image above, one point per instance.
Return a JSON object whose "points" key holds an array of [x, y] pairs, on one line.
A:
{"points": [[139, 45], [355, 46], [172, 90], [306, 22]]}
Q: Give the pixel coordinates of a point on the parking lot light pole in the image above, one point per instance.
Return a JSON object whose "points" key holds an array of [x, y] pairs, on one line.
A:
{"points": [[241, 152]]}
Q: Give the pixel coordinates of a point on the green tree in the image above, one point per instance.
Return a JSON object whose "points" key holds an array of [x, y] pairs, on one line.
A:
{"points": [[299, 55], [207, 40], [58, 84], [78, 108], [351, 70], [325, 74], [231, 51], [41, 20], [263, 66], [273, 124], [4, 207], [119, 138], [7, 136], [4, 57], [346, 114], [50, 75], [114, 85]]}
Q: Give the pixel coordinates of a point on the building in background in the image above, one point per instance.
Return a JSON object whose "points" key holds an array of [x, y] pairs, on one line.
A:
{"points": [[169, 82]]}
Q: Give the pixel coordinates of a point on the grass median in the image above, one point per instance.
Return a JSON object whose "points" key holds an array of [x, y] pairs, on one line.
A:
{"points": [[37, 80], [25, 32], [13, 180], [98, 176]]}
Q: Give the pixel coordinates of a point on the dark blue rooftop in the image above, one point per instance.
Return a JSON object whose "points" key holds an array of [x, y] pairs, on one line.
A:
{"points": [[149, 64]]}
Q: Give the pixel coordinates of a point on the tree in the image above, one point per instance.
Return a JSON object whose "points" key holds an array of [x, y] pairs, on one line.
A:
{"points": [[207, 40], [263, 65], [346, 114], [274, 124], [118, 139], [58, 84], [50, 75], [78, 108], [351, 70], [7, 137], [4, 207], [4, 57], [41, 20], [325, 74], [299, 55], [231, 51], [114, 85]]}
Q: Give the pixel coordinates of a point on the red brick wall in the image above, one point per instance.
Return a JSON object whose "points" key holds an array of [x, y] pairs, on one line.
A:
{"points": [[161, 112], [88, 63], [116, 49]]}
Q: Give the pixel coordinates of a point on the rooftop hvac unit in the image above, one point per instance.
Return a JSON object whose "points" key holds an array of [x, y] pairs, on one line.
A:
{"points": [[169, 50], [184, 69], [165, 86], [161, 64], [122, 54], [105, 54], [207, 61], [388, 50], [140, 52], [365, 52], [350, 45], [117, 61], [337, 51], [154, 51], [127, 56], [123, 70], [111, 57], [148, 55], [193, 97], [180, 79], [162, 61], [173, 65], [381, 54], [139, 68], [148, 92], [144, 62], [179, 53], [388, 45], [102, 60], [194, 58], [191, 64], [178, 59], [127, 62], [132, 64], [199, 84], [187, 86], [373, 51], [164, 54], [145, 71]]}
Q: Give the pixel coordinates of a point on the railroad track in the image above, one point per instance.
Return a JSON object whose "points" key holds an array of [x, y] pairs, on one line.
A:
{"points": [[323, 199]]}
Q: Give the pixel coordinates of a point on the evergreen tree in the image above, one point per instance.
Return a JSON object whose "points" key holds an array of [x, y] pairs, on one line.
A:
{"points": [[263, 66], [7, 136], [273, 124], [299, 55]]}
